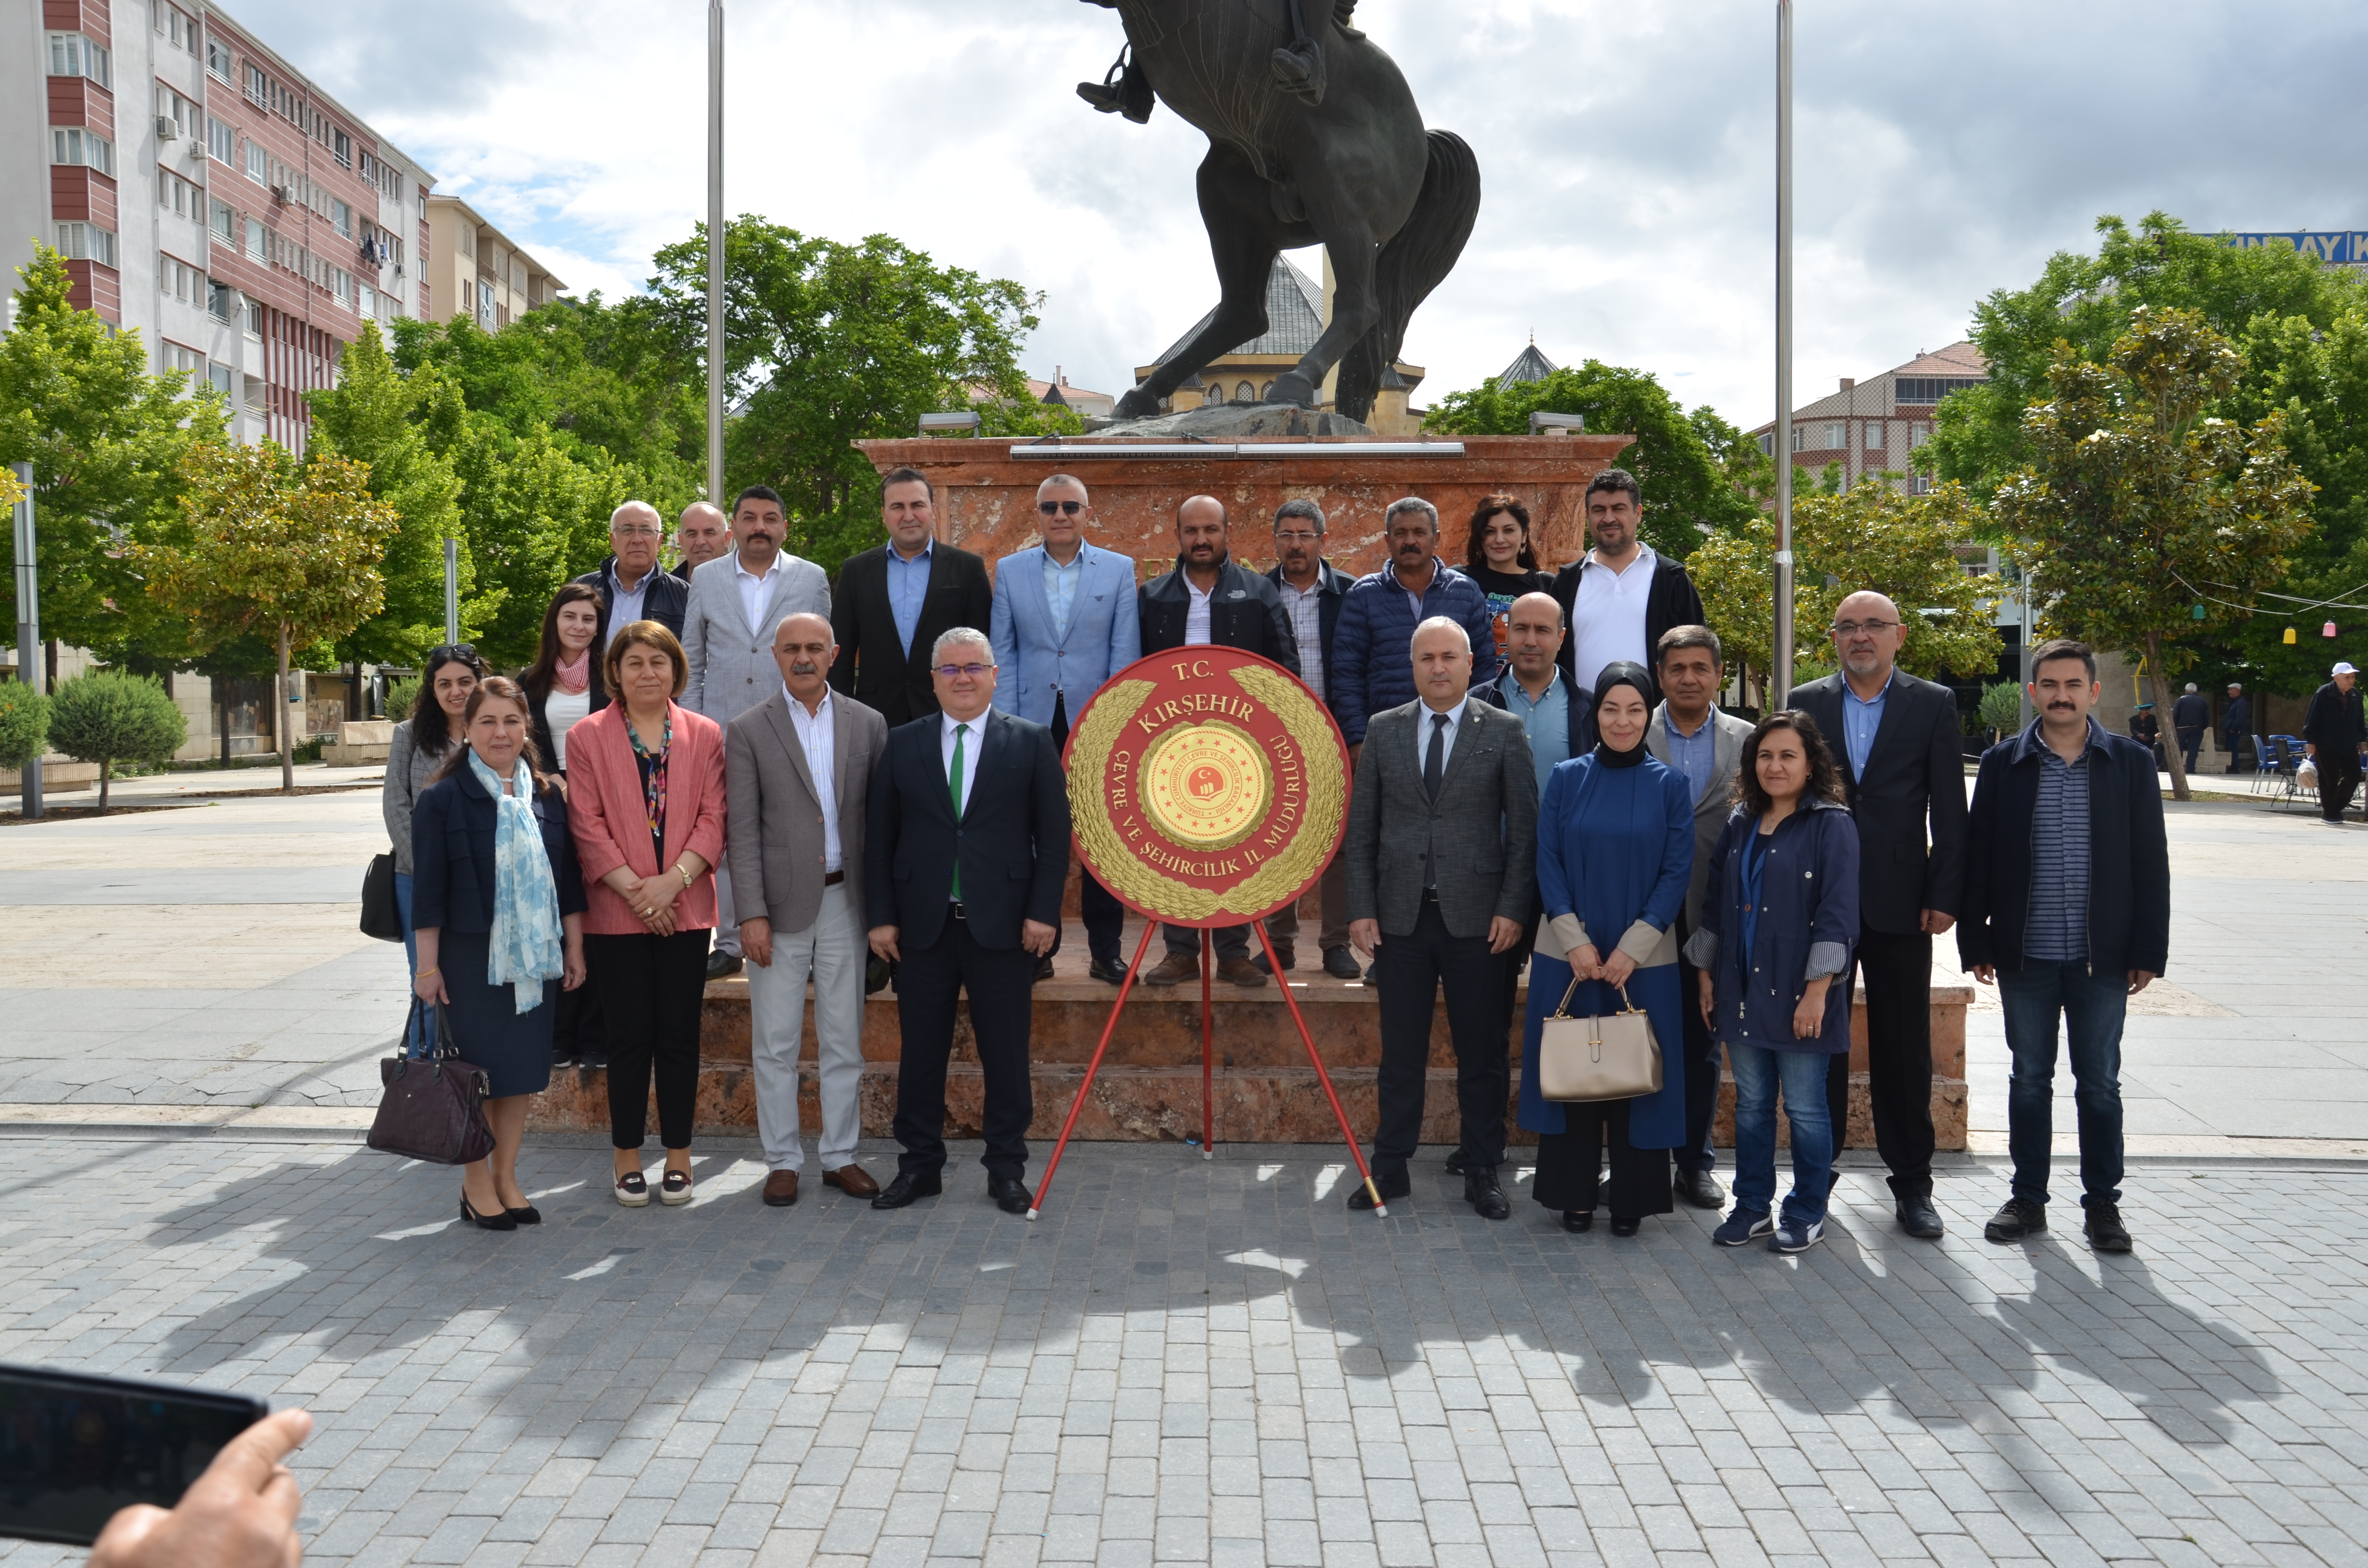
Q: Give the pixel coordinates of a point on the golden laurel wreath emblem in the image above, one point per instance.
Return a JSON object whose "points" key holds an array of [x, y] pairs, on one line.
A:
{"points": [[1199, 780]]}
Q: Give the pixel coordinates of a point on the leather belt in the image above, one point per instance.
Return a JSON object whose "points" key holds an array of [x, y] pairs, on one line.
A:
{"points": [[832, 878]]}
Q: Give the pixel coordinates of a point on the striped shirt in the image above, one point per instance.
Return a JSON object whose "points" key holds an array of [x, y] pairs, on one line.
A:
{"points": [[2058, 926], [1306, 608]]}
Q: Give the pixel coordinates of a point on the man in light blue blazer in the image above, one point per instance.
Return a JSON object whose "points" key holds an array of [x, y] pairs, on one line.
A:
{"points": [[1064, 619]]}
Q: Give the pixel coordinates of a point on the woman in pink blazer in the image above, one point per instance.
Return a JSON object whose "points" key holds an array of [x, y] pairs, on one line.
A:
{"points": [[645, 803]]}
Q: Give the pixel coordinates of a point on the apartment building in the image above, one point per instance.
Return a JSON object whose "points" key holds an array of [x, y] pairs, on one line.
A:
{"points": [[207, 194], [1873, 426], [479, 271]]}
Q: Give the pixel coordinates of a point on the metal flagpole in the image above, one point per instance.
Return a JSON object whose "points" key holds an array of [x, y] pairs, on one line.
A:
{"points": [[28, 630], [1780, 674], [451, 591], [715, 252]]}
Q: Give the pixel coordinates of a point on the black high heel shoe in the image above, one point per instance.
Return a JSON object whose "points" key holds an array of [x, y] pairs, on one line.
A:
{"points": [[1577, 1220], [530, 1215], [504, 1221], [1625, 1227]]}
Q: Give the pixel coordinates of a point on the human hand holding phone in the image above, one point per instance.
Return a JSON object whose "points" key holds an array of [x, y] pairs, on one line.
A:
{"points": [[240, 1513]]}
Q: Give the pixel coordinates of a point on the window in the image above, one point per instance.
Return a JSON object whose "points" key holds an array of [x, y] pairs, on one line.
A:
{"points": [[258, 86], [71, 55], [255, 320], [1800, 434], [518, 275], [172, 356], [184, 199], [1918, 434], [1932, 389], [220, 299], [258, 164], [366, 302], [222, 221], [180, 280], [73, 145], [255, 395], [221, 142], [258, 240], [179, 26], [218, 59], [86, 242], [485, 304], [184, 114], [342, 216], [1767, 445], [343, 151], [468, 238], [1874, 437], [218, 376], [1836, 437], [341, 285]]}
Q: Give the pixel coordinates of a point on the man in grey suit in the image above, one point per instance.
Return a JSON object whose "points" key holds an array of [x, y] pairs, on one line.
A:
{"points": [[798, 772], [1689, 733], [736, 602], [1442, 849], [1064, 619]]}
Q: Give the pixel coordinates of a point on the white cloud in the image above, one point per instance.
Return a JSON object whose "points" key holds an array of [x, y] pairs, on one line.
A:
{"points": [[1626, 149]]}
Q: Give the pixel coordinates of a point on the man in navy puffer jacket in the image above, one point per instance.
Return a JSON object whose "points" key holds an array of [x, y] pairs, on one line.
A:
{"points": [[1372, 670]]}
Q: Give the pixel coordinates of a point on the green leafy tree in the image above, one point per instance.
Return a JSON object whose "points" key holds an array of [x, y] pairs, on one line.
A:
{"points": [[1698, 473], [24, 725], [112, 716], [105, 439], [275, 549], [2001, 708], [2140, 514], [1873, 536], [829, 343], [2300, 329]]}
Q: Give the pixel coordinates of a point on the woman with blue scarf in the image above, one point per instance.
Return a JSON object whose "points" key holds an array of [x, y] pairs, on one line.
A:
{"points": [[499, 910]]}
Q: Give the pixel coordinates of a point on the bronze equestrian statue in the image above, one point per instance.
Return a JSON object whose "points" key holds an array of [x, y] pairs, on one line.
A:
{"points": [[1313, 138]]}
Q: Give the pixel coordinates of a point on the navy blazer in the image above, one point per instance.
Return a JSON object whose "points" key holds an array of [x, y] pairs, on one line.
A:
{"points": [[1012, 840], [2129, 858], [1916, 769], [452, 854]]}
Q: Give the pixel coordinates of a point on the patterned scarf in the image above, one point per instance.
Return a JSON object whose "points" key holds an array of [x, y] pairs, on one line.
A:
{"points": [[526, 949], [654, 793], [572, 677]]}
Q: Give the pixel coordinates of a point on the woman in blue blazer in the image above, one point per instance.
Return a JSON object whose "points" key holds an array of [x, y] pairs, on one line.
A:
{"points": [[499, 910]]}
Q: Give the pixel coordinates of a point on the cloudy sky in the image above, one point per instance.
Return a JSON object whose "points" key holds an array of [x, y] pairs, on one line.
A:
{"points": [[1626, 147]]}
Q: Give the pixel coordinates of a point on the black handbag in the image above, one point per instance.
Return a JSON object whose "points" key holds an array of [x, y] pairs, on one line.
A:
{"points": [[381, 918], [433, 1107]]}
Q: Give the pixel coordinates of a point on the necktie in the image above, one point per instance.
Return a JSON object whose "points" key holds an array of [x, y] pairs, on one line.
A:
{"points": [[1434, 761], [954, 782]]}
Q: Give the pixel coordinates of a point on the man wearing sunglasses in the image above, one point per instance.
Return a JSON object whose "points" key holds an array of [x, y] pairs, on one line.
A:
{"points": [[630, 584], [890, 602], [1898, 740], [1064, 619]]}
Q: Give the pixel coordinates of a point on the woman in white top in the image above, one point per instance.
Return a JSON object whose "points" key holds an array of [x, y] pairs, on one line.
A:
{"points": [[563, 688], [564, 683]]}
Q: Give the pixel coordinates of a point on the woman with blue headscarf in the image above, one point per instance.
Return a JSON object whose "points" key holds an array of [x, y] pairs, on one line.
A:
{"points": [[1615, 852], [499, 910]]}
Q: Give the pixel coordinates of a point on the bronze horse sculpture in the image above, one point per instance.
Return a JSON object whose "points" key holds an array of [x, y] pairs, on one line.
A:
{"points": [[1313, 138]]}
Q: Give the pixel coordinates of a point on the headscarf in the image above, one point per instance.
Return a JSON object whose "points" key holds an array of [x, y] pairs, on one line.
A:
{"points": [[1621, 672], [525, 949]]}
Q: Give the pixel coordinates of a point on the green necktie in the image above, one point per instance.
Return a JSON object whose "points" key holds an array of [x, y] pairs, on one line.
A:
{"points": [[954, 782]]}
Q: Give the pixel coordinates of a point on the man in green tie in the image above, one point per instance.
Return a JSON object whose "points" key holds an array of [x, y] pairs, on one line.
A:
{"points": [[965, 852]]}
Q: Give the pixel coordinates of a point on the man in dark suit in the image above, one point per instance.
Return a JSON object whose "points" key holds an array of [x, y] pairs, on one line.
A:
{"points": [[1212, 597], [630, 584], [892, 602], [1310, 589], [1441, 848], [1898, 739], [965, 851]]}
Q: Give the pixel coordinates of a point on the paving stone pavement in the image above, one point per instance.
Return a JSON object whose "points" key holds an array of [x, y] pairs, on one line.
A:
{"points": [[1214, 1362]]}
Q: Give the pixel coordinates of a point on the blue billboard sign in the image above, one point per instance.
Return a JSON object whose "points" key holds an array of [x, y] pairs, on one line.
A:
{"points": [[2341, 247]]}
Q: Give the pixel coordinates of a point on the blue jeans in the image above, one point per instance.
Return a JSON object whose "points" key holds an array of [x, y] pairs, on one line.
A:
{"points": [[2092, 1008], [416, 1043], [1757, 1072]]}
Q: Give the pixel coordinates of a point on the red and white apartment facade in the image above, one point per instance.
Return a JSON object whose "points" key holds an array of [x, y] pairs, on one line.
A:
{"points": [[206, 194]]}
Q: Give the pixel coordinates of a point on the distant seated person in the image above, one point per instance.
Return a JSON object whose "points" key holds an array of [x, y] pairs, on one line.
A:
{"points": [[2147, 729]]}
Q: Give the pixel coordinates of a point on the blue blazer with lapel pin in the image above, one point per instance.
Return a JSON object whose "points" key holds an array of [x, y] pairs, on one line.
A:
{"points": [[1034, 662], [1012, 841]]}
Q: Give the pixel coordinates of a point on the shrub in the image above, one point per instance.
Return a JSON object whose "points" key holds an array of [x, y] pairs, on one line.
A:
{"points": [[399, 698], [2001, 707], [24, 725], [108, 717]]}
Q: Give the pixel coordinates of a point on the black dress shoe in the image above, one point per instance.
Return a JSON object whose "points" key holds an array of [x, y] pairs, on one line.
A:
{"points": [[499, 1220], [595, 1059], [530, 1215], [720, 963], [1043, 969], [1699, 1188], [1395, 1185], [1487, 1199], [1577, 1220], [1625, 1226], [1290, 959], [1341, 963], [1918, 1218], [1109, 971], [1455, 1163], [906, 1187], [1010, 1194]]}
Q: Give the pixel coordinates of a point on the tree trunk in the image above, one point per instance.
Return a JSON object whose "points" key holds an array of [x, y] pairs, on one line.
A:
{"points": [[105, 776], [221, 706], [2170, 731], [279, 701]]}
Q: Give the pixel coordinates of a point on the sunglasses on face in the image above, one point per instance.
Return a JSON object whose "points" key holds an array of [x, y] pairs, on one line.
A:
{"points": [[1069, 508], [954, 671]]}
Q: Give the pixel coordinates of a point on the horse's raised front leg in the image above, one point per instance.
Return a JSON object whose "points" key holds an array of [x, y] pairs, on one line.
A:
{"points": [[1232, 206]]}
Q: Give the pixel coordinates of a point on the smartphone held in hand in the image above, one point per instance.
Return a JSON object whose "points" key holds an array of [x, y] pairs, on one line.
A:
{"points": [[75, 1448]]}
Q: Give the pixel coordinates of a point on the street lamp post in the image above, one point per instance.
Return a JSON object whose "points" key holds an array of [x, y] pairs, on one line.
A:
{"points": [[715, 252], [1780, 674], [29, 630]]}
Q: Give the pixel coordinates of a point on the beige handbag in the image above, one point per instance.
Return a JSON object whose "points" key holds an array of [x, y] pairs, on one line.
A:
{"points": [[1612, 1057]]}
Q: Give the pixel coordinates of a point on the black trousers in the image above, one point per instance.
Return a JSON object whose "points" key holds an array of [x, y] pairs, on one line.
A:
{"points": [[997, 981], [1410, 971], [1570, 1164], [650, 990], [579, 1031], [1896, 968], [2338, 775], [1099, 907], [1701, 1050]]}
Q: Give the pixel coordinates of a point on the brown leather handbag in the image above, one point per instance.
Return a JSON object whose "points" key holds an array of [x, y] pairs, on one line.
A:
{"points": [[433, 1107], [1613, 1056]]}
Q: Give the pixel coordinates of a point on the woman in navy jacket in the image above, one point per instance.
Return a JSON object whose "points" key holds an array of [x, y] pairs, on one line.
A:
{"points": [[499, 910], [1777, 924]]}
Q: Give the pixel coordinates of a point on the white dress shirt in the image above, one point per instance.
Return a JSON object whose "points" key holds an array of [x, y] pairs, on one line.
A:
{"points": [[814, 733], [946, 728], [1196, 610], [755, 591], [1608, 621], [1423, 727]]}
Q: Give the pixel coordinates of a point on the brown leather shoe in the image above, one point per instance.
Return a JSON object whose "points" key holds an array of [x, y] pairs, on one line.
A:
{"points": [[852, 1180], [1177, 967], [781, 1189], [1240, 971]]}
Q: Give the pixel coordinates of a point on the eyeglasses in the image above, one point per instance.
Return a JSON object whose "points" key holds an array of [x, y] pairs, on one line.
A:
{"points": [[1070, 508], [1281, 538], [1852, 628], [465, 651], [954, 671], [637, 533]]}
